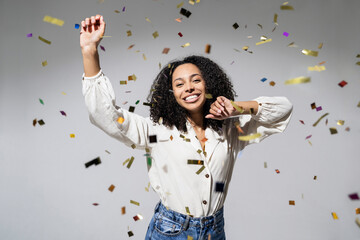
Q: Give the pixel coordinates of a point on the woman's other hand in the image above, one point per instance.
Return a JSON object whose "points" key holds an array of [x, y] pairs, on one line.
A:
{"points": [[92, 31], [221, 109]]}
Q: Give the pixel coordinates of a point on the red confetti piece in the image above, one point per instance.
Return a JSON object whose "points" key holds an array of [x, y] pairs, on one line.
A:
{"points": [[342, 83], [102, 48], [180, 34], [302, 122], [277, 171], [308, 137], [63, 113], [95, 204]]}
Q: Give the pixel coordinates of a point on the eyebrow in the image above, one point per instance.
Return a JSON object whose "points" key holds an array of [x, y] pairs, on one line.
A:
{"points": [[193, 75]]}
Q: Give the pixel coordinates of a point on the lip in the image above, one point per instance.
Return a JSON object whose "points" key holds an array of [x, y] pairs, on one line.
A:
{"points": [[193, 99]]}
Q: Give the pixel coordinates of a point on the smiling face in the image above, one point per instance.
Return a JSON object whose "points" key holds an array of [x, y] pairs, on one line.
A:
{"points": [[189, 87]]}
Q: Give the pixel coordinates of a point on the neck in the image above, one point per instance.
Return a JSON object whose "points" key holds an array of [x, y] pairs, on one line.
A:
{"points": [[196, 119]]}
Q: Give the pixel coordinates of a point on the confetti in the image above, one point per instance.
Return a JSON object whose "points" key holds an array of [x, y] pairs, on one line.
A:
{"points": [[44, 63], [315, 177], [239, 109], [129, 33], [358, 105], [41, 101], [340, 122], [152, 138], [316, 123], [292, 44], [180, 34], [53, 20], [95, 161], [263, 79], [291, 202], [137, 102], [286, 7], [130, 162], [130, 233], [180, 5], [318, 108], [317, 68], [308, 137], [357, 63], [265, 164], [260, 26], [144, 57], [354, 196], [44, 40], [135, 202], [195, 162], [123, 82], [249, 137], [123, 9], [95, 204], [77, 26], [313, 105], [342, 83], [34, 122], [190, 238], [272, 83], [310, 52], [200, 170], [277, 171], [107, 151], [275, 19], [166, 50], [123, 210], [72, 135], [41, 122], [133, 146], [333, 130], [29, 35], [357, 221], [131, 109], [155, 34], [286, 34], [131, 46], [132, 77], [320, 45], [185, 12], [111, 188], [192, 2], [187, 210], [185, 45], [138, 217], [117, 11], [262, 42], [297, 80], [178, 19], [235, 26], [357, 211], [302, 121], [219, 187], [334, 215], [147, 19], [208, 96], [207, 48]]}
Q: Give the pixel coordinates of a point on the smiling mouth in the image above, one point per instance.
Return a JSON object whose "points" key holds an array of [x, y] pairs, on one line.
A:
{"points": [[192, 98]]}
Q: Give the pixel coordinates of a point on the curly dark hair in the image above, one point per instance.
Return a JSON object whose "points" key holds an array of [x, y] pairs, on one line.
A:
{"points": [[164, 105]]}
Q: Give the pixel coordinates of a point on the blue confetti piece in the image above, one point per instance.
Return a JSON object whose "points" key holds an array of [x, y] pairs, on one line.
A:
{"points": [[77, 26], [263, 79]]}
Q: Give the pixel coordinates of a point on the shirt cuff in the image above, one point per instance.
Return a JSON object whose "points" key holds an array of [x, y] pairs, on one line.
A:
{"points": [[93, 77]]}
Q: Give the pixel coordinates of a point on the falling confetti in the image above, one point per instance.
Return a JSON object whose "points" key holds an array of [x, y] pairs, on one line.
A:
{"points": [[180, 34], [297, 80], [316, 123], [263, 79], [95, 161], [135, 202], [185, 45], [291, 202], [44, 63], [249, 137], [29, 35], [207, 48], [53, 20], [111, 188], [77, 26], [333, 130], [286, 34], [310, 52], [185, 12], [334, 215], [155, 34], [44, 40], [342, 83], [354, 196], [235, 26], [262, 42], [72, 135]]}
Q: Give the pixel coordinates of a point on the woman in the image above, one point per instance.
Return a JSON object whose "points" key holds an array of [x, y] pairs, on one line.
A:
{"points": [[192, 137]]}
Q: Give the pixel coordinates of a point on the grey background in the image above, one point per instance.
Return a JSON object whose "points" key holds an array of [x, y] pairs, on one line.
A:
{"points": [[46, 191]]}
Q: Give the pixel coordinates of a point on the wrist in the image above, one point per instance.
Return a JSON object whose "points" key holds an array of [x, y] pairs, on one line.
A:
{"points": [[89, 51]]}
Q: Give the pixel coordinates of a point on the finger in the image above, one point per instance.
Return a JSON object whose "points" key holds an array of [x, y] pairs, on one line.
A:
{"points": [[221, 100], [218, 105], [213, 112], [102, 25], [87, 23], [215, 109], [93, 23], [83, 26]]}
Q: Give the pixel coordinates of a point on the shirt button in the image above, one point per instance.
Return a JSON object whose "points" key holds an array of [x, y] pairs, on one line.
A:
{"points": [[207, 175], [204, 202]]}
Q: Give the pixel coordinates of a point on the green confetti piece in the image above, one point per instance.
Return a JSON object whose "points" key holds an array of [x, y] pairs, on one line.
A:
{"points": [[41, 101], [137, 102]]}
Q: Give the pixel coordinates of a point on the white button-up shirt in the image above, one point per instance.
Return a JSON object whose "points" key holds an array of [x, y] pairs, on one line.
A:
{"points": [[185, 188]]}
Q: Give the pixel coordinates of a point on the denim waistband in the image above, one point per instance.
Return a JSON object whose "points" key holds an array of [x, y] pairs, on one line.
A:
{"points": [[206, 221]]}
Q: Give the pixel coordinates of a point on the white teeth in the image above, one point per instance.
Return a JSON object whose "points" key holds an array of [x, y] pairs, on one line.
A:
{"points": [[191, 97]]}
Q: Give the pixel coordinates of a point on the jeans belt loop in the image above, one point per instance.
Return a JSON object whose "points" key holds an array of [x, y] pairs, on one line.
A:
{"points": [[186, 224]]}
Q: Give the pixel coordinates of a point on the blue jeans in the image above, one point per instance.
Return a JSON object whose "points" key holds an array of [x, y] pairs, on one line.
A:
{"points": [[168, 224]]}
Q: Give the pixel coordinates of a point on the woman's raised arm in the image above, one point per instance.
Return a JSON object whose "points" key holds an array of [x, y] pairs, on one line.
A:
{"points": [[92, 31]]}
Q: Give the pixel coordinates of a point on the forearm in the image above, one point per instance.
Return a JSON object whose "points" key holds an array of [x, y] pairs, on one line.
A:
{"points": [[91, 61], [248, 107]]}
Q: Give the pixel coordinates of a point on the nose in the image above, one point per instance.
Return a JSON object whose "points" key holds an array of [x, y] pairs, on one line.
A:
{"points": [[189, 87]]}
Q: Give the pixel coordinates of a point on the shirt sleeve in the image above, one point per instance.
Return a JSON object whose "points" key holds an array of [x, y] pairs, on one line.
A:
{"points": [[103, 113], [273, 116]]}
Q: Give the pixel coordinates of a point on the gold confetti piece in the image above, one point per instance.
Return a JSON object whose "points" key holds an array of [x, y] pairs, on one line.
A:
{"points": [[207, 48], [272, 83], [129, 33], [286, 7], [249, 137], [317, 68], [180, 5], [123, 210], [147, 19], [333, 130], [297, 80], [144, 57], [291, 202], [34, 122], [265, 164], [357, 210], [263, 38], [260, 26], [310, 52], [130, 162], [165, 51], [245, 48], [316, 123], [195, 162], [44, 63], [187, 210], [190, 238], [357, 63], [123, 82], [72, 135], [335, 217], [120, 120], [275, 19], [192, 2], [292, 44], [133, 146], [135, 202], [132, 77], [53, 20], [44, 40], [262, 42], [117, 11], [171, 137], [239, 109], [185, 45], [320, 45], [155, 34], [357, 221], [131, 46], [111, 188], [340, 122], [208, 96]]}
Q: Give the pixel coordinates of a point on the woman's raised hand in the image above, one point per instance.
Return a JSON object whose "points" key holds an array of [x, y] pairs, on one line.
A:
{"points": [[92, 31], [221, 109]]}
